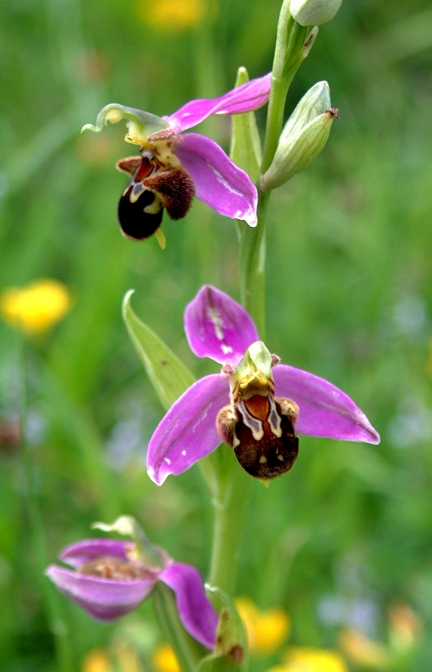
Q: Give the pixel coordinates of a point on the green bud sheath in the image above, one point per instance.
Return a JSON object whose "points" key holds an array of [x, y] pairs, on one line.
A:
{"points": [[315, 102], [245, 148], [303, 137]]}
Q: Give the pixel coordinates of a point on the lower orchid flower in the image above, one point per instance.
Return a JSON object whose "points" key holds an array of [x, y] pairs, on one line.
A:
{"points": [[256, 405], [111, 578], [172, 168]]}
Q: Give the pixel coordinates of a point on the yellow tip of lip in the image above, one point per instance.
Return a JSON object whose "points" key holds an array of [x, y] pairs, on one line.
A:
{"points": [[160, 236]]}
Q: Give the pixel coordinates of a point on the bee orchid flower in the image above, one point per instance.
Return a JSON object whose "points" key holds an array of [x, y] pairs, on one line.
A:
{"points": [[256, 405], [110, 579], [173, 167]]}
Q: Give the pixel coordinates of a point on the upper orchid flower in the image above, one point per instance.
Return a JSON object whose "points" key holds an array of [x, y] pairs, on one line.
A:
{"points": [[255, 404], [111, 578], [172, 168]]}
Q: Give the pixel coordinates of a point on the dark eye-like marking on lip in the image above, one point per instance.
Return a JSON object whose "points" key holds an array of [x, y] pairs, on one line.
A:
{"points": [[150, 190], [135, 222]]}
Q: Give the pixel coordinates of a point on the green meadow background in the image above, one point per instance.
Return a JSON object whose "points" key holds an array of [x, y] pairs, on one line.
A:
{"points": [[348, 532]]}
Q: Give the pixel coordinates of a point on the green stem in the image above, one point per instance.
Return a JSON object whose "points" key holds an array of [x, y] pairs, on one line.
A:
{"points": [[230, 501], [187, 651], [289, 55], [232, 488], [230, 485], [252, 265], [57, 624]]}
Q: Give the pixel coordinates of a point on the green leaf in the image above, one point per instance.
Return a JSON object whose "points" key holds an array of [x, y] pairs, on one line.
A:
{"points": [[231, 652], [169, 376], [245, 142]]}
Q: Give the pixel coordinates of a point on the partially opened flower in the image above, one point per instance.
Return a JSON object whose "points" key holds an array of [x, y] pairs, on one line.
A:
{"points": [[110, 578], [172, 168], [256, 405]]}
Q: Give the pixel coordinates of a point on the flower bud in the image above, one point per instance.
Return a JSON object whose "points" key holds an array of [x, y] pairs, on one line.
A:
{"points": [[314, 12], [303, 137], [314, 102]]}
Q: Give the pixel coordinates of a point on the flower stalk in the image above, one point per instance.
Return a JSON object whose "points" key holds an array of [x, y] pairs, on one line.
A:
{"points": [[232, 494], [292, 47], [252, 254], [186, 650], [232, 501]]}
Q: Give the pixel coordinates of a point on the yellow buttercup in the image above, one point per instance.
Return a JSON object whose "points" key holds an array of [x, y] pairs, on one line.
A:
{"points": [[37, 307], [266, 630]]}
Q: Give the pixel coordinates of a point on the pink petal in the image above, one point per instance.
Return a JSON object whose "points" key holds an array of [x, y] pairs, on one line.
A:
{"points": [[79, 554], [218, 327], [325, 410], [249, 96], [195, 610], [218, 181], [104, 599], [188, 431]]}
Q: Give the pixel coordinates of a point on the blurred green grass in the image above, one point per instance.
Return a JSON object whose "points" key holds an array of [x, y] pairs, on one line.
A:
{"points": [[349, 290]]}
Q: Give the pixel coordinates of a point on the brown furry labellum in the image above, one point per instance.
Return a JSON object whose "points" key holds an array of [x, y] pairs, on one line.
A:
{"points": [[150, 190], [261, 431]]}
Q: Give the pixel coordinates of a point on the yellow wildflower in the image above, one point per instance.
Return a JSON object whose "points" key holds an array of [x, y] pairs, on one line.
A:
{"points": [[171, 15], [122, 659], [266, 630], [96, 661], [127, 659], [309, 659], [405, 629], [405, 626], [37, 307], [164, 659], [363, 650]]}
